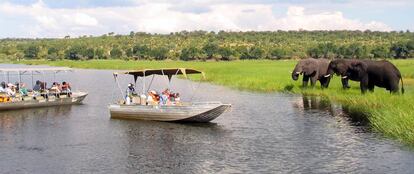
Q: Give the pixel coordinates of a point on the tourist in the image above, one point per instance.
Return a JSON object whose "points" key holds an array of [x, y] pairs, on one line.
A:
{"points": [[165, 96], [55, 87], [11, 90], [37, 87], [23, 90], [66, 88], [130, 92], [3, 87], [153, 98]]}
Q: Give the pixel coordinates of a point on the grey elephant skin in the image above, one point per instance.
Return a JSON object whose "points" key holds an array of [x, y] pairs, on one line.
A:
{"points": [[369, 73], [313, 70]]}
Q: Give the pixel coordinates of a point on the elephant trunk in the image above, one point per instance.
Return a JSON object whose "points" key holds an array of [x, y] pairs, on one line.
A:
{"points": [[296, 72]]}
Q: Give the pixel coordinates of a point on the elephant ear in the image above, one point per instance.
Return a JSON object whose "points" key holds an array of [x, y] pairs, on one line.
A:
{"points": [[359, 67], [310, 67]]}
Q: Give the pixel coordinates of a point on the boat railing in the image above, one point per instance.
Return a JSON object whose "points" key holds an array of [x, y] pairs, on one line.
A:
{"points": [[34, 95]]}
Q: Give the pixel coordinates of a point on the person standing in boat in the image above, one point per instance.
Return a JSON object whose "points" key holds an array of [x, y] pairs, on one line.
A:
{"points": [[130, 92]]}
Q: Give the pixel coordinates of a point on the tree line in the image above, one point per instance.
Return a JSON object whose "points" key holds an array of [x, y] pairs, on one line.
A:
{"points": [[203, 45]]}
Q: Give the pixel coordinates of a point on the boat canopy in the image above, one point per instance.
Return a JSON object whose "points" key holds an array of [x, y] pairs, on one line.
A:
{"points": [[167, 72], [37, 70]]}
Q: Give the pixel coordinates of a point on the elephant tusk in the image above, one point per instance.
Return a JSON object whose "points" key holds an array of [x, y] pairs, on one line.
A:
{"points": [[327, 75], [298, 72], [344, 77]]}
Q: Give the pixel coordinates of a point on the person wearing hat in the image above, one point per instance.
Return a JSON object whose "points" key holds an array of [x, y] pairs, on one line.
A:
{"points": [[130, 91], [153, 98]]}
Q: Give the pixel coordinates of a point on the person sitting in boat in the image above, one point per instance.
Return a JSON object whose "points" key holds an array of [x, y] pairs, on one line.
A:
{"points": [[3, 95], [130, 92], [23, 90], [37, 86], [177, 98], [153, 98], [3, 87], [55, 89], [165, 95], [66, 88], [11, 90], [17, 86]]}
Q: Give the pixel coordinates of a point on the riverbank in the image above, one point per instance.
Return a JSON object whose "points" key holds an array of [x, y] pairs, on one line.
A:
{"points": [[392, 115]]}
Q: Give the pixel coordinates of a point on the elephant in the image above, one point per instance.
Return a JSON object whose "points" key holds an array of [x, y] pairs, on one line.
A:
{"points": [[369, 73], [313, 69]]}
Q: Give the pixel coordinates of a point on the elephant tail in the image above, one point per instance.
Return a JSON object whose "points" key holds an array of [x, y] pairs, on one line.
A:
{"points": [[402, 86]]}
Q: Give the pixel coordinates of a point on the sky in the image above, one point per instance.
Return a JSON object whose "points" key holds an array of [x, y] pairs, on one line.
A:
{"points": [[59, 18]]}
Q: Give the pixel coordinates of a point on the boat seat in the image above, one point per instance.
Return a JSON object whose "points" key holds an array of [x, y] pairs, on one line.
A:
{"points": [[27, 98], [40, 98]]}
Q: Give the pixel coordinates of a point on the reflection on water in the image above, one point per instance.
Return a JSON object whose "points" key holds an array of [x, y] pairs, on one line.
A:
{"points": [[264, 133], [320, 103]]}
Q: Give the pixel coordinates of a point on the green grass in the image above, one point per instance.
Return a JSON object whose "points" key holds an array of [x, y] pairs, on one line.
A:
{"points": [[392, 115]]}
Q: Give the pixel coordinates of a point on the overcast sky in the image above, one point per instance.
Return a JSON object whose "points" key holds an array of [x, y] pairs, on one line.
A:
{"points": [[57, 18]]}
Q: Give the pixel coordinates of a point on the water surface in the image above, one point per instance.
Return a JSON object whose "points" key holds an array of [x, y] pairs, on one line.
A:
{"points": [[266, 133]]}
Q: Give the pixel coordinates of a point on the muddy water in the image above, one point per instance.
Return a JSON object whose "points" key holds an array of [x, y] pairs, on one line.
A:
{"points": [[267, 133]]}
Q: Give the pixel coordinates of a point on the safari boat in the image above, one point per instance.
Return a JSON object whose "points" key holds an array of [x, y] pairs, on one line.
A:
{"points": [[41, 99], [140, 109]]}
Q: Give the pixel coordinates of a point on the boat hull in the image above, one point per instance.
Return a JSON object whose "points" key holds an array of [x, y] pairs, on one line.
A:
{"points": [[76, 98], [195, 112]]}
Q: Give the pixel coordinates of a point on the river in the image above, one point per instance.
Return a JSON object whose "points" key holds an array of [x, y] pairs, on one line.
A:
{"points": [[263, 133]]}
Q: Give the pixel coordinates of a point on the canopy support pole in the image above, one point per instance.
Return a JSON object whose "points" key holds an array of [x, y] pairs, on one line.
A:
{"points": [[150, 83], [143, 82], [32, 80], [20, 78], [8, 77], [54, 76], [119, 86]]}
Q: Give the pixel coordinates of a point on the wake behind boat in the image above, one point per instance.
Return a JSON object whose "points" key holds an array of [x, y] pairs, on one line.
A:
{"points": [[168, 108], [17, 96]]}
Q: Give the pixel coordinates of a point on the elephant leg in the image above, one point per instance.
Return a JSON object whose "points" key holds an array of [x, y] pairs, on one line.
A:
{"points": [[364, 84], [345, 84], [322, 81], [325, 82], [371, 87], [313, 80], [305, 81]]}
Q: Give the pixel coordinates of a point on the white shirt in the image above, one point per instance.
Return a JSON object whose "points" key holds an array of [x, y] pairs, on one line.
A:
{"points": [[10, 92]]}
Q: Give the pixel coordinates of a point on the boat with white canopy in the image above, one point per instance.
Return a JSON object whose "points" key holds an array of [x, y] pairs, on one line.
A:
{"points": [[43, 97], [140, 107]]}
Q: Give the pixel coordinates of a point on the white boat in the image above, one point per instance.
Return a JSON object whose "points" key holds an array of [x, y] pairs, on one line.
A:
{"points": [[41, 100], [182, 112]]}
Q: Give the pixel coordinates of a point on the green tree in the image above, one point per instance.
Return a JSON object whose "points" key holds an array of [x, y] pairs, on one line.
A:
{"points": [[52, 53], [210, 48], [190, 53], [380, 52], [141, 51], [278, 53], [159, 53], [31, 51], [256, 53], [116, 53], [89, 53], [226, 53]]}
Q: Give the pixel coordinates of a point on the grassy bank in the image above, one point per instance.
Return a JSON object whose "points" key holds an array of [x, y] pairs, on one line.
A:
{"points": [[393, 115]]}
